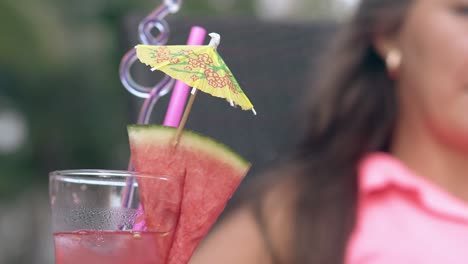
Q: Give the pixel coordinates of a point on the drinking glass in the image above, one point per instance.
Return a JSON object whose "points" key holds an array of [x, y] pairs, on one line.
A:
{"points": [[93, 222]]}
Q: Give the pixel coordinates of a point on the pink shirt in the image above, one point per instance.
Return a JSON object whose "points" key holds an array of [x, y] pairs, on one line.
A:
{"points": [[402, 218]]}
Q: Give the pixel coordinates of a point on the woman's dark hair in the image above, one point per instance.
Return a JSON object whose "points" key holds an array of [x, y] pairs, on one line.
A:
{"points": [[351, 111]]}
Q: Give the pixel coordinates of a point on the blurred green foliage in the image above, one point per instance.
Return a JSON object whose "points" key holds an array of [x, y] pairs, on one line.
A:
{"points": [[59, 68]]}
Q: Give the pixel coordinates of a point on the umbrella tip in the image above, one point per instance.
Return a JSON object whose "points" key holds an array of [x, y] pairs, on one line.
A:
{"points": [[215, 39], [255, 112]]}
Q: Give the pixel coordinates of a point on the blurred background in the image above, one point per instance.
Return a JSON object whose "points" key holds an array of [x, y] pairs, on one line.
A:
{"points": [[62, 105]]}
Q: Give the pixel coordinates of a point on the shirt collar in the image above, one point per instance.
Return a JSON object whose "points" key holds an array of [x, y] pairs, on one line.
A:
{"points": [[379, 172]]}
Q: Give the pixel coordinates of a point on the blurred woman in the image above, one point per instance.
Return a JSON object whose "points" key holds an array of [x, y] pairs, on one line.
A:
{"points": [[381, 174]]}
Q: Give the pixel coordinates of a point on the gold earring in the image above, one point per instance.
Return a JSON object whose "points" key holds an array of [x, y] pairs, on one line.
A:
{"points": [[393, 61]]}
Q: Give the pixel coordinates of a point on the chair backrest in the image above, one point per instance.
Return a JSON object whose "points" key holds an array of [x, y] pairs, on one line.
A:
{"points": [[273, 63]]}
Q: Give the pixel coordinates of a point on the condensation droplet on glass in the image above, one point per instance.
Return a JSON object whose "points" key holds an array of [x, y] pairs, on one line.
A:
{"points": [[100, 241], [76, 199], [137, 235]]}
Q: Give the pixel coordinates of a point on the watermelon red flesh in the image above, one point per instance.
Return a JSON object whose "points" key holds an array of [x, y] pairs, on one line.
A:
{"points": [[161, 199], [211, 173]]}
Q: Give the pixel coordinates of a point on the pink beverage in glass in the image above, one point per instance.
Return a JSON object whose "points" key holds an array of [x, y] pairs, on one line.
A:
{"points": [[92, 224], [112, 247]]}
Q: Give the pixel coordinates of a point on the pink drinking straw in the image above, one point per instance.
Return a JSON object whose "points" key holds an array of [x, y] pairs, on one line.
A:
{"points": [[181, 90]]}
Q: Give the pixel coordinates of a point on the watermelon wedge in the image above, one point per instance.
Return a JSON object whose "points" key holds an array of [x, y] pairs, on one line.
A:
{"points": [[211, 173]]}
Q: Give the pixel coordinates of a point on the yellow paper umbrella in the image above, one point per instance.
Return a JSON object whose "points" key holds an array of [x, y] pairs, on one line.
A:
{"points": [[200, 67]]}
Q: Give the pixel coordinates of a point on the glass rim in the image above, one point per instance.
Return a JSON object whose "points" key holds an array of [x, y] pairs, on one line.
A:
{"points": [[104, 174]]}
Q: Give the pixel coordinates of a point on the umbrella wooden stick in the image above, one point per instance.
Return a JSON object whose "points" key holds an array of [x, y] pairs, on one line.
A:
{"points": [[187, 110], [214, 42]]}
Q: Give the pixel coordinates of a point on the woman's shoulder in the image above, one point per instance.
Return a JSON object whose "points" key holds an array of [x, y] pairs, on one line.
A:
{"points": [[272, 207], [258, 229]]}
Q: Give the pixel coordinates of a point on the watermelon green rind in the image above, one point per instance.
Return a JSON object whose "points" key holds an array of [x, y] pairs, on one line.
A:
{"points": [[211, 146]]}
